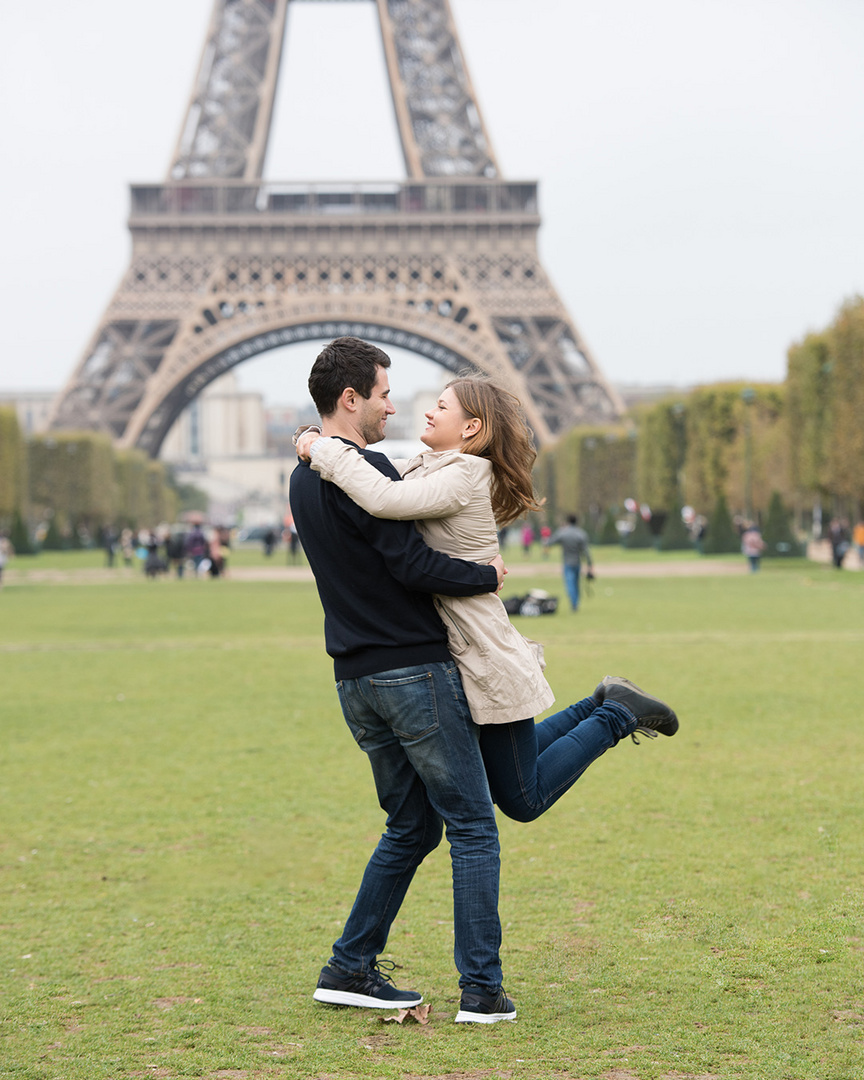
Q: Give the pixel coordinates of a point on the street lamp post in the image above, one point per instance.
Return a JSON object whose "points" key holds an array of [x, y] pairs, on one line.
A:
{"points": [[679, 413], [748, 394]]}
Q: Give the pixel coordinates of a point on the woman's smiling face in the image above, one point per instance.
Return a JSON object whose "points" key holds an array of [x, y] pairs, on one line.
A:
{"points": [[447, 423]]}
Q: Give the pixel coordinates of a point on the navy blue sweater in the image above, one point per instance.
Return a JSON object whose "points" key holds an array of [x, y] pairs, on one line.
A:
{"points": [[375, 578]]}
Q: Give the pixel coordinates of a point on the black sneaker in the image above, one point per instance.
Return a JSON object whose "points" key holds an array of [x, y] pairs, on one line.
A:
{"points": [[479, 1006], [371, 989], [652, 714]]}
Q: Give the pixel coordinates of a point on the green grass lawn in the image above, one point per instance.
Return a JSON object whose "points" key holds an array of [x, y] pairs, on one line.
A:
{"points": [[184, 819]]}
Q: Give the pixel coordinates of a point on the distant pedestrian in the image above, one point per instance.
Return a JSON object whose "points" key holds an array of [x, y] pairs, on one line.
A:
{"points": [[109, 539], [574, 548], [269, 541], [218, 552], [154, 564], [752, 545], [196, 546], [699, 530], [127, 546], [527, 540], [175, 551], [838, 534], [223, 534], [858, 541], [289, 535], [6, 553]]}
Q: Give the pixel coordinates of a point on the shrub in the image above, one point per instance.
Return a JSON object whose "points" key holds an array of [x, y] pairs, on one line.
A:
{"points": [[722, 536], [640, 536], [19, 537], [608, 533], [777, 534], [54, 539], [675, 535]]}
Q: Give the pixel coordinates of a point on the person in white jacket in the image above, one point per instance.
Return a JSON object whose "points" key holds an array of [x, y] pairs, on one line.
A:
{"points": [[475, 478]]}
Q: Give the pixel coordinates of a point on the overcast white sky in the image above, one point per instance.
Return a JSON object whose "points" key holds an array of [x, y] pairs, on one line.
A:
{"points": [[701, 163]]}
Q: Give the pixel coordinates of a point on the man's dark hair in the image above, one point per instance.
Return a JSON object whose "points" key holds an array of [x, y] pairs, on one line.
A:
{"points": [[572, 519], [346, 361]]}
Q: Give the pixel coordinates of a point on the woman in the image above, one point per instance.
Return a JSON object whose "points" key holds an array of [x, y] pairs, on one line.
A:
{"points": [[476, 478]]}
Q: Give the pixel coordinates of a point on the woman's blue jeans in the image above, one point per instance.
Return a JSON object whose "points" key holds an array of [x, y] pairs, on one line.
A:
{"points": [[415, 726], [530, 766]]}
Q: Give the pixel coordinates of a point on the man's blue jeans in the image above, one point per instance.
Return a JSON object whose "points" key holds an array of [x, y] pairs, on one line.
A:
{"points": [[416, 728], [530, 766], [571, 581]]}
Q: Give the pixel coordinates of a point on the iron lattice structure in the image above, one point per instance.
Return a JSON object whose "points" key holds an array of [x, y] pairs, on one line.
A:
{"points": [[226, 265]]}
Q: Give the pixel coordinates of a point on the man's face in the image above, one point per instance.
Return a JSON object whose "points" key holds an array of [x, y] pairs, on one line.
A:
{"points": [[373, 411]]}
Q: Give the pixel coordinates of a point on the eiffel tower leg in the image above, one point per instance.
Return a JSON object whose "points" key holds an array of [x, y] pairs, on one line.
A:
{"points": [[111, 378], [562, 377]]}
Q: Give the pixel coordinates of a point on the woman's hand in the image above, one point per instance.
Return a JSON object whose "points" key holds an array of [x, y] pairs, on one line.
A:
{"points": [[500, 570], [304, 443]]}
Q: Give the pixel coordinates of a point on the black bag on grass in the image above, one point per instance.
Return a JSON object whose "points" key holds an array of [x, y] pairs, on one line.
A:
{"points": [[536, 602]]}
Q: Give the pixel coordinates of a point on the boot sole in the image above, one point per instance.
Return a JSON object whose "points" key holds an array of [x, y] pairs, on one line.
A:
{"points": [[363, 1001], [468, 1017]]}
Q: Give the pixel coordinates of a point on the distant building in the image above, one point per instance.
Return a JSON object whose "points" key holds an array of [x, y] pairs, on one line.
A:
{"points": [[281, 421], [222, 422], [33, 408], [637, 394]]}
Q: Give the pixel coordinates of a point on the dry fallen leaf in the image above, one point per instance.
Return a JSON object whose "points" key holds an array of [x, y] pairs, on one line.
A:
{"points": [[420, 1013]]}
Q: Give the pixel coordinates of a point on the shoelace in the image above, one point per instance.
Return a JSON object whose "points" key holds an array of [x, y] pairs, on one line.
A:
{"points": [[379, 975], [649, 733]]}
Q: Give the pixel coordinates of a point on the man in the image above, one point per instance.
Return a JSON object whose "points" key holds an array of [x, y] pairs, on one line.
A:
{"points": [[574, 545], [403, 702]]}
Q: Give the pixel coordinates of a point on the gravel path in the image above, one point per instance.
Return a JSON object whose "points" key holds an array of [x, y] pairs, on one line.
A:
{"points": [[17, 575]]}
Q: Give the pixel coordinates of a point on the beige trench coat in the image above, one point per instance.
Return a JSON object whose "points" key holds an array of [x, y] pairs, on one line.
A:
{"points": [[501, 670]]}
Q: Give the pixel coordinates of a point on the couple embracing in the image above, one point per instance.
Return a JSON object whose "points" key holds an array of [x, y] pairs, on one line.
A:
{"points": [[436, 685]]}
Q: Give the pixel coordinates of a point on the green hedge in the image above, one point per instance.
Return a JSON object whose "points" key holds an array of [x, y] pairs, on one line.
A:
{"points": [[825, 384], [586, 472], [79, 479], [13, 467], [72, 475]]}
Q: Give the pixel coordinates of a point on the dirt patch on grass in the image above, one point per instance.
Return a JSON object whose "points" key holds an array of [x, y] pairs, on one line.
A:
{"points": [[483, 1074], [122, 576]]}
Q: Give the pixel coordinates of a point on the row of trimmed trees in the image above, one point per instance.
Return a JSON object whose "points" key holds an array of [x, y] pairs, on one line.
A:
{"points": [[64, 485], [756, 451], [722, 450], [764, 452]]}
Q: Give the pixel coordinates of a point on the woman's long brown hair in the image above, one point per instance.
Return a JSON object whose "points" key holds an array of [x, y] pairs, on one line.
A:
{"points": [[504, 439]]}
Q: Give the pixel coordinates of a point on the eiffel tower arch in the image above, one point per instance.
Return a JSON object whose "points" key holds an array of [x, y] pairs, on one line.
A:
{"points": [[226, 265]]}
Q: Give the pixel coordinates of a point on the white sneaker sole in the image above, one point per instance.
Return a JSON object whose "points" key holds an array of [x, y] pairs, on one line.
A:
{"points": [[362, 1001], [466, 1017]]}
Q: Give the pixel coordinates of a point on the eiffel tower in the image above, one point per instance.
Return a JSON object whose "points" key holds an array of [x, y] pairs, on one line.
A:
{"points": [[226, 265]]}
